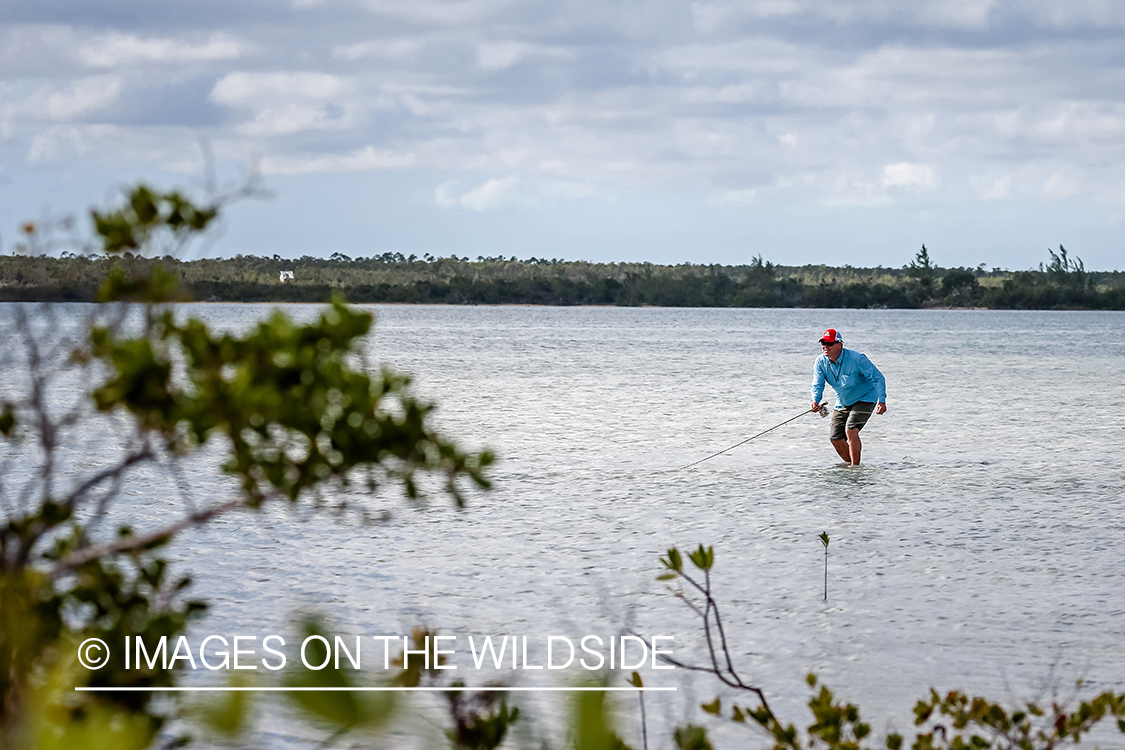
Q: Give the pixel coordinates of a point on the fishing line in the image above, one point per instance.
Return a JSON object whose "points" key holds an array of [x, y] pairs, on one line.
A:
{"points": [[823, 412]]}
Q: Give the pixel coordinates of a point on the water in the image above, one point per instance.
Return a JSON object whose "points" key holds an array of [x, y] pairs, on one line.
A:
{"points": [[978, 548]]}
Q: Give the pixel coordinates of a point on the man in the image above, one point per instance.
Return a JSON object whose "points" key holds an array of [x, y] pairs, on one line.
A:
{"points": [[860, 389]]}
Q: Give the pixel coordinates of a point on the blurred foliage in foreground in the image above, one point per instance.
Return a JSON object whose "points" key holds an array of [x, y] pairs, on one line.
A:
{"points": [[292, 409], [1063, 283]]}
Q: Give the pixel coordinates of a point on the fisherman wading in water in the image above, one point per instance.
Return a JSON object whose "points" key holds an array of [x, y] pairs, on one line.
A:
{"points": [[860, 389]]}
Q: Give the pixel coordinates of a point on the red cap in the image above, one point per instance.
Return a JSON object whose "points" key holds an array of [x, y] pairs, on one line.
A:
{"points": [[831, 336]]}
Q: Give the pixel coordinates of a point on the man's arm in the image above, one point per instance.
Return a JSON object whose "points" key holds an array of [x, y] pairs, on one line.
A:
{"points": [[872, 373], [817, 385]]}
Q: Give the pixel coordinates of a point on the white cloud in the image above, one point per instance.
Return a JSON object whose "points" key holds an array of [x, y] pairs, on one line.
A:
{"points": [[971, 14], [112, 50], [711, 18], [1008, 124], [501, 55], [992, 188], [1075, 13], [734, 198], [79, 98], [295, 118], [758, 54], [1052, 126], [1063, 122], [566, 190], [921, 125], [364, 160], [488, 195], [512, 157], [240, 88], [483, 197], [1060, 186], [173, 150], [1109, 125], [402, 49], [443, 195], [50, 145], [863, 199], [734, 94], [851, 189], [907, 175], [437, 12], [287, 103]]}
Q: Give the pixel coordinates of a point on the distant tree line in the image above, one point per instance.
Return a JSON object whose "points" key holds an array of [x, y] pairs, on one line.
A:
{"points": [[1062, 283]]}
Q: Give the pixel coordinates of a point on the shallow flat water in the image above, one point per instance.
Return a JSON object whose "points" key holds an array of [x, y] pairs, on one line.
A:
{"points": [[980, 547]]}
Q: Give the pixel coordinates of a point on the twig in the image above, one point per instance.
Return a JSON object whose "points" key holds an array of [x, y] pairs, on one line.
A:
{"points": [[824, 540], [730, 677], [644, 721], [124, 544], [115, 472]]}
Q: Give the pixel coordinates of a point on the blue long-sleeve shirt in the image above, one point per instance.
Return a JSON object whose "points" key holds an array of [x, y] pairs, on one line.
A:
{"points": [[852, 376]]}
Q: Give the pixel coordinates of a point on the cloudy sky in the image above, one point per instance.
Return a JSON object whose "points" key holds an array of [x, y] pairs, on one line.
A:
{"points": [[807, 131]]}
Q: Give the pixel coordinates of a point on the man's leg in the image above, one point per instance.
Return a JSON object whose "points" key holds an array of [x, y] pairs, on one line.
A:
{"points": [[837, 434], [855, 447]]}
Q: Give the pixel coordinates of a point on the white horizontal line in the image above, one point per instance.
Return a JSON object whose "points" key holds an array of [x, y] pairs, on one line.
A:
{"points": [[488, 689]]}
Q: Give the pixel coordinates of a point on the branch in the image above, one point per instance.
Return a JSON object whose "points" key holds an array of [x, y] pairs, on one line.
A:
{"points": [[112, 473], [731, 678], [40, 527], [124, 544], [683, 665], [722, 634]]}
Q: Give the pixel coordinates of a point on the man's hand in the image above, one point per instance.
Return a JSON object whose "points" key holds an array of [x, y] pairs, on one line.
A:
{"points": [[880, 408], [815, 406]]}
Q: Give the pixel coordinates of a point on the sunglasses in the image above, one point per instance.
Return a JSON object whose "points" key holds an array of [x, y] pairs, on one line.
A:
{"points": [[826, 343]]}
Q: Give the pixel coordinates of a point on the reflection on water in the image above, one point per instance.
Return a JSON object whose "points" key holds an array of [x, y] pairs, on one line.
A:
{"points": [[978, 548]]}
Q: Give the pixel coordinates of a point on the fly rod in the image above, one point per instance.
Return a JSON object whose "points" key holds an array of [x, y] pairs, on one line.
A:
{"points": [[823, 413]]}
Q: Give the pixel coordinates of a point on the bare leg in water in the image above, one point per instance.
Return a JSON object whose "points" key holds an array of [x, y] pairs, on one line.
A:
{"points": [[849, 449]]}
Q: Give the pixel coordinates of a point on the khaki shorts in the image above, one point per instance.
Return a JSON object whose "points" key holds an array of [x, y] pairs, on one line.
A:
{"points": [[852, 417]]}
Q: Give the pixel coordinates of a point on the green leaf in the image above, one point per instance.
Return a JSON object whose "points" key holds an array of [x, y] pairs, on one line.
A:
{"points": [[703, 558], [147, 213], [922, 712], [228, 715], [7, 420], [824, 539], [691, 737], [591, 721], [340, 709], [714, 707]]}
